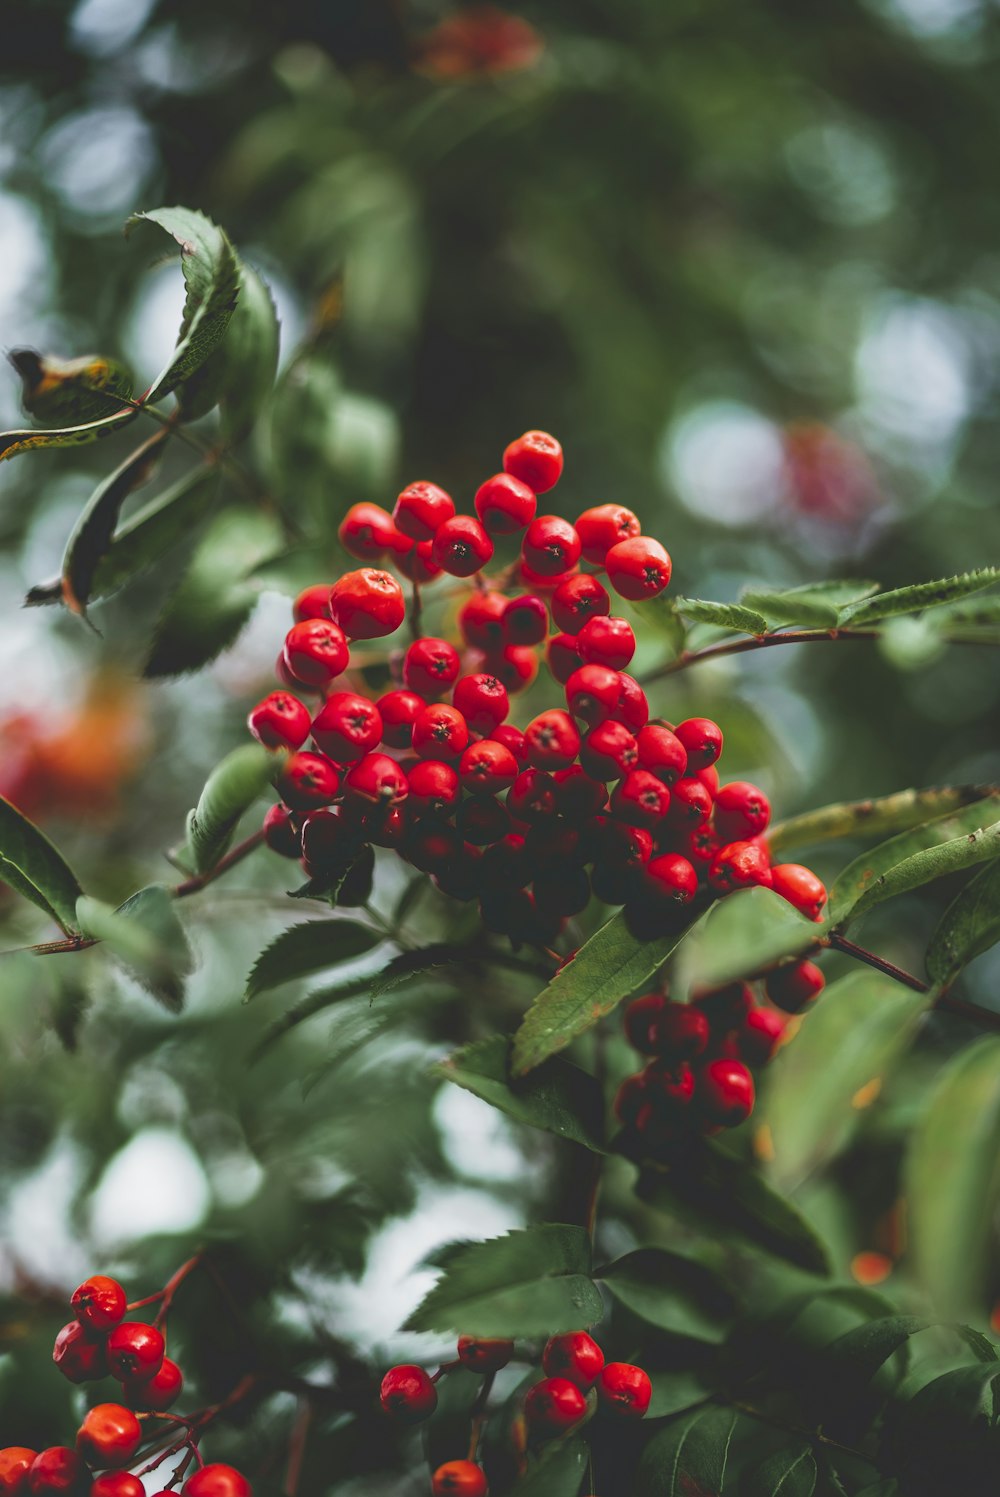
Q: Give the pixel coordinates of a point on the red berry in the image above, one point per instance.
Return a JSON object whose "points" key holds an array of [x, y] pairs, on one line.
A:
{"points": [[761, 1034], [608, 751], [603, 527], [607, 641], [217, 1480], [366, 532], [624, 1390], [552, 740], [434, 788], [710, 779], [280, 833], [536, 458], [116, 1484], [699, 844], [553, 1406], [461, 546], [702, 738], [638, 568], [504, 865], [377, 780], [593, 693], [575, 1356], [525, 620], [80, 1353], [482, 1355], [312, 603], [408, 1394], [737, 866], [532, 797], [800, 887], [431, 846], [515, 666], [690, 804], [633, 708], [347, 727], [551, 546], [513, 739], [640, 798], [662, 752], [481, 620], [563, 656], [487, 768], [577, 795], [639, 1022], [110, 1435], [505, 504], [673, 877], [680, 1031], [669, 1089], [459, 1479], [622, 847], [793, 988], [100, 1302], [398, 711], [280, 721], [135, 1351], [741, 811], [57, 1469], [483, 821], [421, 510], [482, 700], [417, 562], [15, 1461], [430, 666], [157, 1392], [439, 732], [367, 604], [724, 1093], [578, 599]]}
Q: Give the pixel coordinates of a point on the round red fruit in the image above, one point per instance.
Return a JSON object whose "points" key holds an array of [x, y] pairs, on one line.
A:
{"points": [[532, 797], [575, 1356], [483, 821], [487, 768], [593, 692], [633, 706], [515, 666], [482, 700], [417, 561], [431, 846], [135, 1351], [536, 458], [347, 727], [367, 604], [661, 751], [408, 1394], [669, 1089], [158, 1392], [680, 1031], [578, 797], [280, 721], [552, 740], [603, 527], [280, 833], [504, 504], [459, 1479], [578, 599], [366, 532], [80, 1353], [430, 666], [702, 738], [793, 988], [398, 711], [737, 866], [741, 811], [482, 1355], [376, 780], [672, 877], [607, 641], [110, 1435], [421, 510], [116, 1484], [690, 805], [624, 1390], [461, 546], [57, 1469], [434, 788], [100, 1302], [440, 732], [553, 1406], [640, 798], [525, 620], [312, 603], [639, 1022], [217, 1480], [563, 656], [761, 1034], [724, 1093], [800, 887], [551, 546], [638, 568], [608, 751], [15, 1462], [513, 739], [481, 620]]}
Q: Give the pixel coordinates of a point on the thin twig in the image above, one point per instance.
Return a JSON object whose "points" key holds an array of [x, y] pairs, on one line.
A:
{"points": [[840, 943], [236, 855], [479, 1415]]}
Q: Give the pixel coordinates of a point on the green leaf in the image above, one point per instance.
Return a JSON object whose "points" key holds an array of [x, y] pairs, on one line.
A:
{"points": [[744, 933], [803, 606], [833, 1067], [557, 1472], [78, 390], [688, 1458], [557, 1097], [606, 969], [141, 542], [312, 1003], [864, 818], [13, 442], [661, 615], [673, 1391], [212, 279], [944, 1438], [925, 852], [726, 615], [787, 1473], [969, 926], [232, 787], [953, 1180], [251, 350], [91, 536], [32, 866], [407, 965], [304, 949], [918, 596], [723, 1195], [534, 1282], [676, 1294], [147, 937]]}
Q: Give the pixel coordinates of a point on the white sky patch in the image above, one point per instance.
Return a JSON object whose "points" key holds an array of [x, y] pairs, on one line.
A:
{"points": [[38, 1231], [725, 461], [99, 161], [103, 27], [154, 1184], [477, 1139], [912, 370]]}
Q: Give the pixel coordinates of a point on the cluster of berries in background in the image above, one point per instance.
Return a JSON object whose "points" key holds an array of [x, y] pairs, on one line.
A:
{"points": [[578, 1382], [590, 797], [702, 1055], [114, 1436]]}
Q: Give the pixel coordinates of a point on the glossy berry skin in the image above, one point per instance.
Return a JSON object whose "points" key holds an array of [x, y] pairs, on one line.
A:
{"points": [[603, 527], [525, 620], [407, 1394], [348, 727], [79, 1353], [217, 1480], [739, 865], [100, 1302], [563, 656], [459, 1479], [431, 845], [158, 1392], [532, 797], [793, 988], [577, 599], [57, 1469], [279, 721], [481, 1355], [633, 706], [367, 604], [552, 740], [607, 641], [640, 798], [741, 811], [551, 546], [553, 1406], [461, 546], [312, 603], [434, 788], [110, 1435], [417, 562], [624, 1390], [761, 1035], [800, 887], [609, 751], [481, 620], [592, 693], [639, 1022], [116, 1484], [280, 833], [398, 711], [504, 504], [661, 752], [671, 877], [724, 1093], [536, 458], [487, 768], [366, 532], [376, 780], [135, 1351], [430, 666], [482, 700], [15, 1461], [440, 732], [513, 739], [669, 1089], [638, 568], [575, 1356], [690, 804], [421, 510], [515, 666], [726, 1007], [702, 738], [680, 1031]]}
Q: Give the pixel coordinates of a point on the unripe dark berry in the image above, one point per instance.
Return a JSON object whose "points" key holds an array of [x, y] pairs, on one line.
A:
{"points": [[110, 1435], [280, 721], [15, 1462], [461, 546], [702, 738], [430, 666], [431, 845], [624, 1390], [116, 1484], [724, 1093], [316, 652], [536, 458], [661, 752], [434, 788], [440, 732], [459, 1479], [575, 1356], [482, 700], [367, 604], [312, 603], [80, 1353], [609, 751], [421, 509], [57, 1469], [217, 1480], [158, 1392], [135, 1351], [552, 740], [800, 887], [408, 1394], [578, 599], [482, 820], [483, 1355], [100, 1302], [487, 768], [607, 641], [553, 1406], [638, 568], [793, 988], [739, 865], [366, 532], [481, 620], [578, 796], [398, 711], [525, 621], [551, 546], [741, 811], [504, 504], [348, 727], [603, 527], [376, 780]]}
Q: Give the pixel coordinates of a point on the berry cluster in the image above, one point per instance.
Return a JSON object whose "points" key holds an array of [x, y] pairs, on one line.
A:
{"points": [[702, 1054], [577, 1381], [100, 1342], [589, 797]]}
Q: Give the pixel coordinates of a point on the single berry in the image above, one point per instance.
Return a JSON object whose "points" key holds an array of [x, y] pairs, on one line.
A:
{"points": [[702, 738], [100, 1302], [603, 527], [661, 752], [324, 837], [639, 1022], [15, 1462], [638, 568], [408, 1394], [482, 700], [671, 877], [434, 787], [398, 711], [483, 821], [592, 693], [504, 504], [761, 1034], [532, 797], [417, 562], [135, 1351], [680, 1031], [482, 1355], [793, 988], [376, 780], [536, 458], [563, 656], [515, 666], [431, 846], [280, 832], [116, 1484], [430, 666], [347, 727], [607, 641], [80, 1353], [640, 798], [312, 603], [578, 599], [741, 811], [461, 546], [553, 1406], [110, 1435], [624, 1390], [575, 1356], [487, 768], [551, 546], [159, 1391], [504, 865], [690, 804], [525, 620], [280, 721], [513, 739], [724, 1093], [739, 865], [578, 796], [367, 604], [217, 1480], [552, 740], [366, 532], [669, 1089], [481, 620], [800, 887], [421, 509], [633, 706], [57, 1469], [459, 1479], [710, 779], [440, 732], [619, 846], [609, 751]]}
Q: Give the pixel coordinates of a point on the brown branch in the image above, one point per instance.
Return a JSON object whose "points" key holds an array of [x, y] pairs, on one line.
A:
{"points": [[987, 1018], [236, 855], [755, 642]]}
